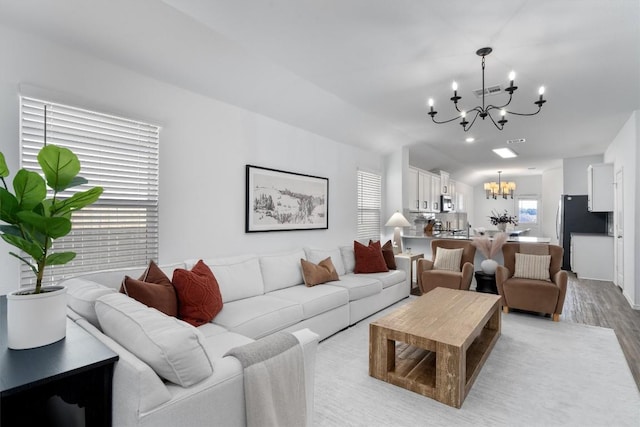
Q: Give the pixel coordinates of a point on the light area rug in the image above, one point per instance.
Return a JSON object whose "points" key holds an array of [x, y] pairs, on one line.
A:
{"points": [[540, 373]]}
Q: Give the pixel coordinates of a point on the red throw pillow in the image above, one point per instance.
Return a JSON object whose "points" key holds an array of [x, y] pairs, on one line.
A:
{"points": [[199, 298], [369, 259], [388, 255], [153, 289]]}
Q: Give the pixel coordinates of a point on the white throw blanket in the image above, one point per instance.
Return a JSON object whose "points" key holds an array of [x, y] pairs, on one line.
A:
{"points": [[274, 386]]}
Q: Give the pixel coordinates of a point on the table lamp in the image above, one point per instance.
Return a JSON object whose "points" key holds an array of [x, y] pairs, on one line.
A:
{"points": [[397, 220]]}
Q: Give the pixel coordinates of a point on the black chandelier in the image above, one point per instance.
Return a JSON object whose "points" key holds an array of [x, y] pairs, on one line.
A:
{"points": [[484, 111]]}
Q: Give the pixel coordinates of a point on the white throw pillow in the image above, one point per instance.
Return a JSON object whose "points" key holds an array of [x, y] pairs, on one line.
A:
{"points": [[532, 266], [172, 348], [448, 259], [82, 295]]}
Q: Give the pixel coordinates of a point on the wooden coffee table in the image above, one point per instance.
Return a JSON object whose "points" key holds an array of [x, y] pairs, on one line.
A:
{"points": [[444, 336]]}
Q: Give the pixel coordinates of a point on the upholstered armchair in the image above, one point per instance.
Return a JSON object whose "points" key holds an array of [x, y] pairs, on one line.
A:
{"points": [[436, 273], [519, 282]]}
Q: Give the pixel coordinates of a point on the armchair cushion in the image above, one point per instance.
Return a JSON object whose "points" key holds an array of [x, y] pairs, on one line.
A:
{"points": [[532, 267], [448, 259]]}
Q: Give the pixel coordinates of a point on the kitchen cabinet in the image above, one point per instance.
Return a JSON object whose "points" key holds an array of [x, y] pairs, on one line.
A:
{"points": [[454, 195], [435, 194], [444, 183], [600, 188], [424, 191], [592, 256], [412, 200]]}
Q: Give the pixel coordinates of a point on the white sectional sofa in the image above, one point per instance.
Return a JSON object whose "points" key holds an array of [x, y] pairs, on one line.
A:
{"points": [[262, 294]]}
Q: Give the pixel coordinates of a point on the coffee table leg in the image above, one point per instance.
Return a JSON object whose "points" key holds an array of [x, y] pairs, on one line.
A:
{"points": [[450, 375], [382, 353]]}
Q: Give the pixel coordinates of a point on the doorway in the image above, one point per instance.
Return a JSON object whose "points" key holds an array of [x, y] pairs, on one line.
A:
{"points": [[618, 224]]}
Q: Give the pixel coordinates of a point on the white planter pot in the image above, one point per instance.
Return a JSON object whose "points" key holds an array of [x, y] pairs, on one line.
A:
{"points": [[489, 266], [502, 226], [34, 320]]}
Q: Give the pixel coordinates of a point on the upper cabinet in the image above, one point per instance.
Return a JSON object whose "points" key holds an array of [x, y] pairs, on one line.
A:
{"points": [[412, 200], [424, 191], [600, 187], [444, 183]]}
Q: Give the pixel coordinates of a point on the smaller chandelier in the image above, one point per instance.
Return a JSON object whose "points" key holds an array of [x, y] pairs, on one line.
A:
{"points": [[501, 188], [484, 111]]}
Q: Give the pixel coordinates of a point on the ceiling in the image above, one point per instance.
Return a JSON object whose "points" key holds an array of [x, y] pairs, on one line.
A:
{"points": [[360, 71]]}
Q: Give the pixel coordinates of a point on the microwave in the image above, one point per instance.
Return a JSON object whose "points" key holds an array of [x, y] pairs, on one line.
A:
{"points": [[446, 203]]}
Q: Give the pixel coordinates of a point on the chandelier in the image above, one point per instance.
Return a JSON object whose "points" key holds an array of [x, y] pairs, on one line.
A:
{"points": [[484, 111], [501, 188]]}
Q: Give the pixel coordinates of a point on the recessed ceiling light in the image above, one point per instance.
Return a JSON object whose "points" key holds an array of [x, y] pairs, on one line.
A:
{"points": [[516, 141], [505, 153], [470, 140]]}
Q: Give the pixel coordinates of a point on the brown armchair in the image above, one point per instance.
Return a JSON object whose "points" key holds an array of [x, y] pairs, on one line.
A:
{"points": [[528, 294], [429, 279]]}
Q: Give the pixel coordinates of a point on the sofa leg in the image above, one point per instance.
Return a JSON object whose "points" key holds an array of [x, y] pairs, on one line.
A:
{"points": [[556, 317], [505, 309]]}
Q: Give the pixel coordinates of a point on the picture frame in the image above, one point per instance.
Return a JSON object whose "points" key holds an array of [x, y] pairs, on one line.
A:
{"points": [[278, 200]]}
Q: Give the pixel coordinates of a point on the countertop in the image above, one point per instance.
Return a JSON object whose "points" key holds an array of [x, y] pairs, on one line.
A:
{"points": [[448, 235]]}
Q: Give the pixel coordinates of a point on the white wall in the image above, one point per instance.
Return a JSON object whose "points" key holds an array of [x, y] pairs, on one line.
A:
{"points": [[624, 154], [205, 145], [574, 171], [552, 190]]}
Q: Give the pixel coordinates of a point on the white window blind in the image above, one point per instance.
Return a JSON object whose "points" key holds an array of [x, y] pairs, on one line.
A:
{"points": [[118, 154], [369, 205]]}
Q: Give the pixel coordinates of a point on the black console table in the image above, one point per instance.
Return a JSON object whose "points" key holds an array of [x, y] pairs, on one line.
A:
{"points": [[486, 283], [78, 368]]}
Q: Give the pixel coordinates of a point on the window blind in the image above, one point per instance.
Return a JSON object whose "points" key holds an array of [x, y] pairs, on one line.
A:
{"points": [[118, 154], [369, 205]]}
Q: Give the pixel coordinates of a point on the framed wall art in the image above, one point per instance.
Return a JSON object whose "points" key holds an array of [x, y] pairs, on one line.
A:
{"points": [[284, 201]]}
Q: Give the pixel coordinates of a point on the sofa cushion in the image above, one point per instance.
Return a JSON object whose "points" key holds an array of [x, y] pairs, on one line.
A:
{"points": [[82, 295], [315, 274], [281, 270], [153, 289], [317, 255], [359, 285], [369, 259], [448, 259], [238, 277], [113, 278], [348, 258], [259, 316], [388, 278], [217, 346], [532, 266], [199, 299], [315, 300], [173, 348]]}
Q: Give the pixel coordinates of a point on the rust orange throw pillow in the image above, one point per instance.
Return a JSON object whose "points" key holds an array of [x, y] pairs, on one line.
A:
{"points": [[316, 274], [153, 289], [199, 298], [369, 259]]}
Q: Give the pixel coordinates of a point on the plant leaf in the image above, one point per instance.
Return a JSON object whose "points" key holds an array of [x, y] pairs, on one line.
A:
{"points": [[78, 180], [31, 248], [60, 166], [4, 170], [30, 189], [60, 258], [10, 229], [54, 227], [77, 201], [8, 206]]}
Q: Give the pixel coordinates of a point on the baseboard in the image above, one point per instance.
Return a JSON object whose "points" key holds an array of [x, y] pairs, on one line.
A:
{"points": [[631, 303]]}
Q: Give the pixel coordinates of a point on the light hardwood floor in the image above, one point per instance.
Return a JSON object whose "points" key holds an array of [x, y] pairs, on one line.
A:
{"points": [[597, 303]]}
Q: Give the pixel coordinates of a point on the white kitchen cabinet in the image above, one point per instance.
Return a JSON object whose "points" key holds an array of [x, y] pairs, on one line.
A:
{"points": [[592, 256], [600, 188], [412, 200], [435, 194], [444, 183], [424, 191]]}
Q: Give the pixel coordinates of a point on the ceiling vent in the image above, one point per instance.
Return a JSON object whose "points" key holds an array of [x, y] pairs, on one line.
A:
{"points": [[492, 90], [516, 141]]}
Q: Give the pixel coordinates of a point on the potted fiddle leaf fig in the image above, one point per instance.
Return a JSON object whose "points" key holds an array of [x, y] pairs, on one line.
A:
{"points": [[32, 222]]}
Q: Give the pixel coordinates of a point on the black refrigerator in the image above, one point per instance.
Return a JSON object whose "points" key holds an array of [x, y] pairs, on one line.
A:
{"points": [[574, 217]]}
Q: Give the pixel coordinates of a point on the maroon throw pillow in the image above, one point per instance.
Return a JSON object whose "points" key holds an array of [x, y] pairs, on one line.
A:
{"points": [[153, 289], [369, 259], [389, 256], [199, 298]]}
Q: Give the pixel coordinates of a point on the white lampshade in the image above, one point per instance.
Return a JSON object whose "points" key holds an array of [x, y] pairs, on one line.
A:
{"points": [[398, 220]]}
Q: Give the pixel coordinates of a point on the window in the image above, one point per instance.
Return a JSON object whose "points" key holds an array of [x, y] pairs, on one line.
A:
{"points": [[527, 211], [121, 155], [369, 204]]}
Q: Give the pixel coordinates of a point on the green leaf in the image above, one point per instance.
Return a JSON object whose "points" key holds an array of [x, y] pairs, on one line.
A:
{"points": [[4, 170], [77, 201], [53, 227], [60, 166], [31, 248], [78, 180], [10, 229], [60, 258], [8, 206], [30, 189]]}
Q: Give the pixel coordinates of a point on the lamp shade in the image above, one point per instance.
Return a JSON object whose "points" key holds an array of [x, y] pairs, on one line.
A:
{"points": [[398, 220]]}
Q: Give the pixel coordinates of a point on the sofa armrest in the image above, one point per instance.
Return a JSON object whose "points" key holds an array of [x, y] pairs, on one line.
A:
{"points": [[404, 263], [560, 279], [422, 265], [467, 275]]}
